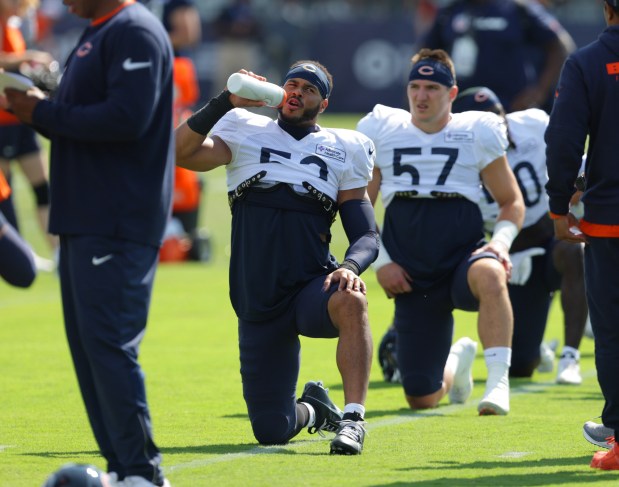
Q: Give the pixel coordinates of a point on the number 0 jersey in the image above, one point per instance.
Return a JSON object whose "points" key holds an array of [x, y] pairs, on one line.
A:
{"points": [[280, 235], [527, 158], [431, 187]]}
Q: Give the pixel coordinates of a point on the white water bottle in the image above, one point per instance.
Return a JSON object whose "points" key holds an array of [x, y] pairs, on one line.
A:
{"points": [[251, 88]]}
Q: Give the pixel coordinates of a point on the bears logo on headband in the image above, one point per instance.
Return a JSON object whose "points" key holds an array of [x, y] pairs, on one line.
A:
{"points": [[478, 98], [432, 70], [313, 74]]}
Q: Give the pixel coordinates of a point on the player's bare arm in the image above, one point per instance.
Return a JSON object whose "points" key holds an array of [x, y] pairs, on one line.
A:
{"points": [[502, 185], [195, 150]]}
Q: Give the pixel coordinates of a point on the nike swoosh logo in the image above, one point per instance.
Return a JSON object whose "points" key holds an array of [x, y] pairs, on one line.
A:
{"points": [[129, 65], [101, 260]]}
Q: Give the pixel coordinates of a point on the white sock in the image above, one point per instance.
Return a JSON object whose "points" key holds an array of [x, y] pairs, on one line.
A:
{"points": [[572, 351], [498, 354], [498, 360], [312, 415], [353, 407]]}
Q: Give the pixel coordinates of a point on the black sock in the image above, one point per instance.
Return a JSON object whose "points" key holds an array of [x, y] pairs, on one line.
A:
{"points": [[303, 417]]}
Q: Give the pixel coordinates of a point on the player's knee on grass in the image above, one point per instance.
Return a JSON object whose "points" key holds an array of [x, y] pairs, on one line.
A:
{"points": [[523, 369], [416, 387], [272, 428]]}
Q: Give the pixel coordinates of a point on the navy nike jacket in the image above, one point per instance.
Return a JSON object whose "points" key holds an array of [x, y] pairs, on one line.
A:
{"points": [[110, 126]]}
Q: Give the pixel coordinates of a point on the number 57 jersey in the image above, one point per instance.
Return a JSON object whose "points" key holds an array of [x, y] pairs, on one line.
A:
{"points": [[445, 164]]}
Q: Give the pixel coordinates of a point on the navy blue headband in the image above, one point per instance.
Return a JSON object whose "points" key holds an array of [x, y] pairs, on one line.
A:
{"points": [[432, 70], [313, 74]]}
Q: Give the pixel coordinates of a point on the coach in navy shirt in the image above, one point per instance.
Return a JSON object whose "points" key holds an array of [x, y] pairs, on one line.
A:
{"points": [[111, 172], [586, 104]]}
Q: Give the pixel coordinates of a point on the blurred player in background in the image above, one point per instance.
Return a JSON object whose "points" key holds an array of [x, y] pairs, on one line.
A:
{"points": [[428, 166], [111, 164], [17, 266], [541, 264], [181, 20], [514, 47], [287, 180], [19, 142]]}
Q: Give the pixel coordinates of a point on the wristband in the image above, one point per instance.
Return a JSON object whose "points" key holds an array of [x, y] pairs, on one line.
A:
{"points": [[383, 257], [205, 119], [351, 266], [505, 231]]}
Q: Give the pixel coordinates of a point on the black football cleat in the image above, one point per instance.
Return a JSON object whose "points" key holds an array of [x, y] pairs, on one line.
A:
{"points": [[328, 415], [349, 438]]}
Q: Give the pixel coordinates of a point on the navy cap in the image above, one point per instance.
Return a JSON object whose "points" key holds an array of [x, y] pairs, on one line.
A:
{"points": [[477, 98], [613, 3]]}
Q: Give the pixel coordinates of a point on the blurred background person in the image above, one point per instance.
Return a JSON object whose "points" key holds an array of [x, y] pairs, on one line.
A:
{"points": [[238, 30], [19, 142], [17, 265], [542, 264], [184, 239], [515, 48]]}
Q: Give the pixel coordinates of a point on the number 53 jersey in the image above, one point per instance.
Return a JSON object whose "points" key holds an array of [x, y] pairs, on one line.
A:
{"points": [[281, 232]]}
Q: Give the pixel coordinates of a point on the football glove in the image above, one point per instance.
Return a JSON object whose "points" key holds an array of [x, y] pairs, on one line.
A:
{"points": [[522, 265]]}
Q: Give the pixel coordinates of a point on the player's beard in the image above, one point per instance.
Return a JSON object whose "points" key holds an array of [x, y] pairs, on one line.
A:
{"points": [[308, 116]]}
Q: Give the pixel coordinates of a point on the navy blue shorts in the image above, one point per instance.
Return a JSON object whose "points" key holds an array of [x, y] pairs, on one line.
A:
{"points": [[17, 140], [424, 322], [270, 359]]}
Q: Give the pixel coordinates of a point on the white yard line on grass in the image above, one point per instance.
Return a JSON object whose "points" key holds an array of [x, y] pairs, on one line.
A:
{"points": [[268, 450]]}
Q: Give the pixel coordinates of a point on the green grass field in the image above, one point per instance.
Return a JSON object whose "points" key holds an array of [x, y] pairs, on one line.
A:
{"points": [[190, 359]]}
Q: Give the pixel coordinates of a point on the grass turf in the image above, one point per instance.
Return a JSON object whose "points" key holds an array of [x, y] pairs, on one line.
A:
{"points": [[190, 359]]}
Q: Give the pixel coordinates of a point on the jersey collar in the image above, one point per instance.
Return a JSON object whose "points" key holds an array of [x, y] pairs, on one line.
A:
{"points": [[107, 17], [295, 131]]}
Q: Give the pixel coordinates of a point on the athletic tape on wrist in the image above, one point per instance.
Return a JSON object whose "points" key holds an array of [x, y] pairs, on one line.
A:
{"points": [[505, 231]]}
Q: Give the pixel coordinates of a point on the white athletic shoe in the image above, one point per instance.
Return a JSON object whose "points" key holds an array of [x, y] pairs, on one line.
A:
{"points": [[598, 434], [495, 401], [568, 370], [137, 481], [465, 350], [547, 356]]}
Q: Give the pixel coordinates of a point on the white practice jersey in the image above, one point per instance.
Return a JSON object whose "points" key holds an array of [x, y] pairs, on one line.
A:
{"points": [[330, 159], [528, 162], [440, 165]]}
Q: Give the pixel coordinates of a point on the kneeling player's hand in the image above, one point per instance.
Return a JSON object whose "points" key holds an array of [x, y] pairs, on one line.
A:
{"points": [[394, 279], [347, 280]]}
